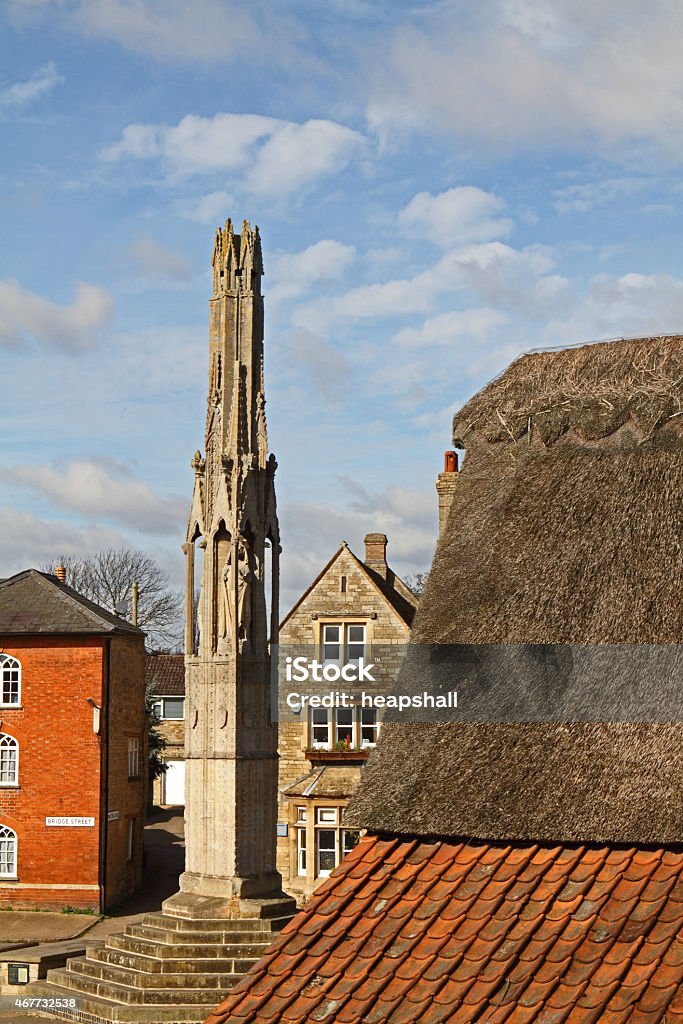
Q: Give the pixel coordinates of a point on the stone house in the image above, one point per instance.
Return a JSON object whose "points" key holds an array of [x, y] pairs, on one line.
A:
{"points": [[521, 870], [73, 748], [165, 680], [351, 607]]}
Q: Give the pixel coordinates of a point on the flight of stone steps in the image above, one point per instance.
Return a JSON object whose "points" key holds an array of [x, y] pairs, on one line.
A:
{"points": [[167, 968]]}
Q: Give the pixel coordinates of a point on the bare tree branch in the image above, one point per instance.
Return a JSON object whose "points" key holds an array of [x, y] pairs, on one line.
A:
{"points": [[107, 578]]}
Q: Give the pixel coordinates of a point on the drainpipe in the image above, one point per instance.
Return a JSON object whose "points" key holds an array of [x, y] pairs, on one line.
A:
{"points": [[104, 774]]}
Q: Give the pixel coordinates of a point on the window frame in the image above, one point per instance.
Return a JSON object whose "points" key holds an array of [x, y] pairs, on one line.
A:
{"points": [[9, 854], [130, 840], [134, 757], [343, 642], [316, 744], [160, 704], [8, 665], [328, 720], [8, 742], [334, 823]]}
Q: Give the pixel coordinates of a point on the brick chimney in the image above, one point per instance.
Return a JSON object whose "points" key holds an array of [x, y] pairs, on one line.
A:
{"points": [[376, 552], [445, 486]]}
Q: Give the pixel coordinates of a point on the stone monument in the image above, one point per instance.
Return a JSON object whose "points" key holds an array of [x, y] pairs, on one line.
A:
{"points": [[175, 965], [230, 741]]}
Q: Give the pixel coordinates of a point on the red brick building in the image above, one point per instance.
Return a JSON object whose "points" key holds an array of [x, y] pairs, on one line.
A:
{"points": [[72, 748]]}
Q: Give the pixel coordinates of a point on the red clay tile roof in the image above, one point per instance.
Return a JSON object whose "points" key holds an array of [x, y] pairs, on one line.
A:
{"points": [[436, 932]]}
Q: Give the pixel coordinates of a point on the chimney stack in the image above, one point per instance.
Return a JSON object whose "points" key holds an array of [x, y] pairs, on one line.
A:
{"points": [[60, 573], [376, 553], [445, 486]]}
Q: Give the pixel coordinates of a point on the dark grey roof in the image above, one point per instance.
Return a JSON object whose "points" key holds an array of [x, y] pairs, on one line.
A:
{"points": [[566, 527], [36, 602], [165, 674]]}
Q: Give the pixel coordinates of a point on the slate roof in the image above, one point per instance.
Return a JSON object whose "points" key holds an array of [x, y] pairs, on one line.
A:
{"points": [[33, 602], [330, 780], [165, 674], [436, 932]]}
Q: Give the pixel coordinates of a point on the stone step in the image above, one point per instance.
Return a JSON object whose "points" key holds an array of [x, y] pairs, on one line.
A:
{"points": [[115, 992], [153, 965], [106, 1011], [181, 950], [198, 908], [143, 979], [164, 950], [170, 922], [168, 936]]}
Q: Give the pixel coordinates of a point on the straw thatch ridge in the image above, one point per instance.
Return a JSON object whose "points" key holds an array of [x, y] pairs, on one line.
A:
{"points": [[579, 542], [592, 390]]}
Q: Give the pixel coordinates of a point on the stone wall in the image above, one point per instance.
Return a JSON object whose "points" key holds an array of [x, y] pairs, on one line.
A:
{"points": [[345, 593]]}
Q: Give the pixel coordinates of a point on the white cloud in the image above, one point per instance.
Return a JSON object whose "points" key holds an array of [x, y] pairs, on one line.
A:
{"points": [[196, 144], [458, 216], [158, 261], [328, 369], [526, 72], [631, 305], [513, 279], [295, 273], [205, 31], [210, 209], [584, 198], [26, 317], [315, 530], [38, 84], [28, 541], [273, 157], [496, 273], [102, 489], [298, 154], [466, 325]]}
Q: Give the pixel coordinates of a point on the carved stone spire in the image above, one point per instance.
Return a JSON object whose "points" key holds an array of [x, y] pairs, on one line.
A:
{"points": [[231, 744]]}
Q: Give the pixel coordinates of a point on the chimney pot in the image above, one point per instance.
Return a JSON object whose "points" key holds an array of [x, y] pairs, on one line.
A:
{"points": [[60, 573], [450, 462]]}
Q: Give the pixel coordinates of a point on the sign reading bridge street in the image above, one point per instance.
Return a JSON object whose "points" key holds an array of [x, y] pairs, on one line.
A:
{"points": [[69, 822]]}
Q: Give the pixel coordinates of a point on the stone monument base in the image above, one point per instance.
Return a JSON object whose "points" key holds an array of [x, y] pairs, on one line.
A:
{"points": [[174, 966]]}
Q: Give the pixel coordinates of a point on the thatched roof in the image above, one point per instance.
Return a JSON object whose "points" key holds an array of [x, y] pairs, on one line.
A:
{"points": [[566, 527], [592, 391]]}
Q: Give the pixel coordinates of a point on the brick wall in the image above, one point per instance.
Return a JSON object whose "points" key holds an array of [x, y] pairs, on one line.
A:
{"points": [[126, 795], [59, 772]]}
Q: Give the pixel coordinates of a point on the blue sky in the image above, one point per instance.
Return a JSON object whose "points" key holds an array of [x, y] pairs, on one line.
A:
{"points": [[440, 186]]}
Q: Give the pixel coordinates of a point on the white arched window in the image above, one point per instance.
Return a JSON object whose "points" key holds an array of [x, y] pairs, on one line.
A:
{"points": [[9, 760], [10, 681], [8, 852]]}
